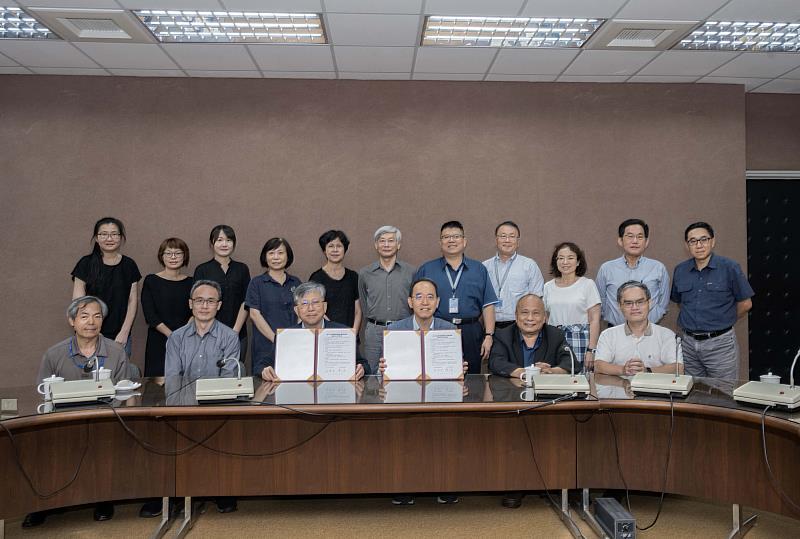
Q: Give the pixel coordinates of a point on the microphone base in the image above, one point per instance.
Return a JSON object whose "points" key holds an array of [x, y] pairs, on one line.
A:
{"points": [[560, 384], [656, 383], [78, 391], [223, 389], [761, 393]]}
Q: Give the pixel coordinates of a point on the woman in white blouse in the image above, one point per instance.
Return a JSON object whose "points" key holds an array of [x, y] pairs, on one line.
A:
{"points": [[573, 302]]}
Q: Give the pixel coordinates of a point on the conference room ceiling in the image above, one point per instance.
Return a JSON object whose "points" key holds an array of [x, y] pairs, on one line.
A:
{"points": [[381, 39]]}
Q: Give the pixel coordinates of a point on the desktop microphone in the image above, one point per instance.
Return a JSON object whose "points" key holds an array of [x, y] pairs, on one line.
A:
{"points": [[791, 369], [571, 359], [221, 363], [89, 367], [678, 354]]}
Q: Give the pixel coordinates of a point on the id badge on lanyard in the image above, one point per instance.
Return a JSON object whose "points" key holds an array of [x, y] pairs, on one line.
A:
{"points": [[452, 306]]}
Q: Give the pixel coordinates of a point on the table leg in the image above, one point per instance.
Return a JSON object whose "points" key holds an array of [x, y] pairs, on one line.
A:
{"points": [[563, 514], [586, 515], [166, 520], [741, 527]]}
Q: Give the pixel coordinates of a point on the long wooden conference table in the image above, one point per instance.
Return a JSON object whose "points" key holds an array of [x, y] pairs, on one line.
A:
{"points": [[478, 435]]}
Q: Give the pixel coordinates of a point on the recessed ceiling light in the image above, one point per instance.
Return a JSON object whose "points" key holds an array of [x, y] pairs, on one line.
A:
{"points": [[744, 36], [233, 26], [16, 24], [523, 32]]}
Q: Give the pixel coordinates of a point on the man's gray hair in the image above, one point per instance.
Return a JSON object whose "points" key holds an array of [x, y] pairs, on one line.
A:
{"points": [[306, 288], [632, 284], [78, 303], [388, 229], [206, 282]]}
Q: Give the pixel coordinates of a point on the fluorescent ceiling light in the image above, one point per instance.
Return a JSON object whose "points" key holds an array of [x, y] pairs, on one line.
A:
{"points": [[16, 24], [233, 26], [508, 31], [744, 36]]}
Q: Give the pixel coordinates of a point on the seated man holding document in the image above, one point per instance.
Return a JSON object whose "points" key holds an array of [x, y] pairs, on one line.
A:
{"points": [[316, 348], [638, 345]]}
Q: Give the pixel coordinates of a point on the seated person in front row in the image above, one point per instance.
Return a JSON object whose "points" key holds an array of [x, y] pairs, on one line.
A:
{"points": [[76, 358], [310, 307], [638, 345], [529, 342]]}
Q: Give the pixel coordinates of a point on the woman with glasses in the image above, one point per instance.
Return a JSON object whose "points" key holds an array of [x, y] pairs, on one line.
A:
{"points": [[111, 276], [341, 283], [573, 302], [270, 300], [165, 302]]}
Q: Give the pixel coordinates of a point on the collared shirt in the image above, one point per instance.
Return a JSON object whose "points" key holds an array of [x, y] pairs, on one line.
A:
{"points": [[519, 275], [410, 323], [234, 284], [65, 359], [275, 302], [527, 353], [708, 298], [194, 356], [384, 294], [614, 273], [474, 290], [656, 347]]}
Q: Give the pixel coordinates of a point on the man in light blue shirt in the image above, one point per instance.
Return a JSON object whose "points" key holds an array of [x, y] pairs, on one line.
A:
{"points": [[634, 236], [512, 274]]}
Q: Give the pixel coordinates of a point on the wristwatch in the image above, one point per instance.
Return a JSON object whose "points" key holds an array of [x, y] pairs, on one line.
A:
{"points": [[592, 350], [487, 334]]}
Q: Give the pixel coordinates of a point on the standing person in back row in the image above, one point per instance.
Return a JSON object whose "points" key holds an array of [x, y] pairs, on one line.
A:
{"points": [[467, 294], [383, 288], [713, 293], [634, 237]]}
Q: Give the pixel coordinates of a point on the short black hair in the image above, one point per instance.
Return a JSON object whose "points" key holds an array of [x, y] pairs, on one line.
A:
{"points": [[507, 223], [422, 280], [271, 245], [331, 235], [699, 224], [633, 222], [632, 284], [452, 224], [225, 229], [580, 270]]}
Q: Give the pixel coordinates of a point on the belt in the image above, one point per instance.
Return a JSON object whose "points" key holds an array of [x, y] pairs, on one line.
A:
{"points": [[704, 335], [378, 322], [464, 321], [501, 325]]}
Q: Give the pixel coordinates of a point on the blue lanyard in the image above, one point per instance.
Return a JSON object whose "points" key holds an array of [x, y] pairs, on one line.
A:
{"points": [[454, 285]]}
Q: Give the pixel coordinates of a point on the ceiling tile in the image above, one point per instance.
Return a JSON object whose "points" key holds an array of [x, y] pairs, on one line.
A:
{"points": [[520, 78], [761, 11], [374, 59], [453, 60], [612, 63], [374, 76], [495, 8], [599, 9], [674, 10], [794, 74], [661, 78], [45, 53], [14, 71], [292, 57], [749, 84], [374, 6], [6, 61], [530, 61], [206, 56], [299, 74], [69, 3], [274, 6], [147, 72], [447, 76], [686, 63], [68, 71], [592, 78], [171, 4], [224, 74], [780, 86], [128, 55], [765, 65], [391, 30]]}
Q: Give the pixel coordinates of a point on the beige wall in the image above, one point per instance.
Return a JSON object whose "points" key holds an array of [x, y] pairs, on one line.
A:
{"points": [[294, 158], [773, 132]]}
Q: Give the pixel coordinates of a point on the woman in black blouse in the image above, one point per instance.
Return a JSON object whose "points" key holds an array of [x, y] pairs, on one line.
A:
{"points": [[341, 283], [165, 302], [112, 277]]}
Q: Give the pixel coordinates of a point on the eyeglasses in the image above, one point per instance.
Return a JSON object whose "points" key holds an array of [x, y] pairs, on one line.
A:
{"points": [[108, 235], [448, 237], [698, 241], [420, 297], [638, 303], [205, 301], [305, 304], [173, 254], [507, 236], [390, 241], [630, 237]]}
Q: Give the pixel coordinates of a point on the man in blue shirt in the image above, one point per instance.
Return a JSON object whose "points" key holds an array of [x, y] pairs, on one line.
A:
{"points": [[467, 293], [634, 237], [713, 293]]}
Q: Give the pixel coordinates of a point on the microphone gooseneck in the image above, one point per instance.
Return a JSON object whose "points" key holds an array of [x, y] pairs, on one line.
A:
{"points": [[571, 360]]}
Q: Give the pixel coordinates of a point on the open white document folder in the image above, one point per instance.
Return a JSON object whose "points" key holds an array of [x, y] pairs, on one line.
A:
{"points": [[336, 354], [308, 355], [294, 354], [418, 355]]}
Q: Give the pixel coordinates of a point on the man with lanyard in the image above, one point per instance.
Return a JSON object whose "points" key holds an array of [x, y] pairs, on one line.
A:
{"points": [[634, 236], [467, 291], [512, 274], [713, 293], [382, 289]]}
